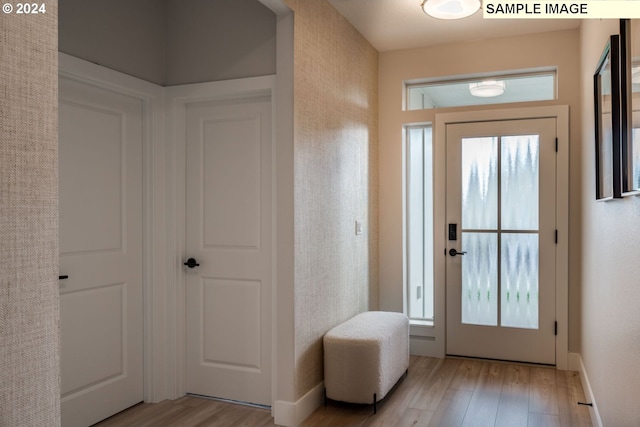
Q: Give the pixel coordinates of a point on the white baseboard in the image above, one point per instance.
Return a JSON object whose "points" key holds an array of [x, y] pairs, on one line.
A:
{"points": [[575, 364], [425, 340], [424, 346], [292, 414]]}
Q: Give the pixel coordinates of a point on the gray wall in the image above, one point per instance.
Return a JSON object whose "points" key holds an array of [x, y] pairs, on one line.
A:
{"points": [[218, 40], [29, 355], [171, 42], [124, 35]]}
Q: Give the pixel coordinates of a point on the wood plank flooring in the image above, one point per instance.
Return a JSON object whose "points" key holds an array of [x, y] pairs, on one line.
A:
{"points": [[435, 393]]}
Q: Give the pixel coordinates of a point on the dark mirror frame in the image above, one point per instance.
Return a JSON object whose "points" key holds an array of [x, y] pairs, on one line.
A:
{"points": [[629, 158], [608, 124]]}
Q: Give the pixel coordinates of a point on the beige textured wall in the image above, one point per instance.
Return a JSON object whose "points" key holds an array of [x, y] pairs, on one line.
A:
{"points": [[610, 268], [335, 161], [29, 354], [522, 52]]}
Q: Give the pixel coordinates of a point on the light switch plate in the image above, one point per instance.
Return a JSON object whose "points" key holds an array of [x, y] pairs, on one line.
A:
{"points": [[358, 227]]}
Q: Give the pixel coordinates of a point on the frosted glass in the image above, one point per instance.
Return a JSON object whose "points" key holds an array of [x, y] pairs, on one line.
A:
{"points": [[519, 182], [479, 183], [635, 152], [519, 280], [419, 193], [480, 279], [415, 225]]}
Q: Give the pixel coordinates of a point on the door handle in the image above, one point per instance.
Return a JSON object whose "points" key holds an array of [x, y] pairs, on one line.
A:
{"points": [[191, 263], [63, 277], [454, 252]]}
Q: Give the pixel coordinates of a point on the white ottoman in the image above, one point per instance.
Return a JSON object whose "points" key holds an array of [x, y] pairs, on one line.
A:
{"points": [[365, 356]]}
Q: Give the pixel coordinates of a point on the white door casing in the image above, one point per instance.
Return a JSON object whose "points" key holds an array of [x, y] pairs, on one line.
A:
{"points": [[101, 302], [163, 203], [442, 120], [513, 322], [229, 232]]}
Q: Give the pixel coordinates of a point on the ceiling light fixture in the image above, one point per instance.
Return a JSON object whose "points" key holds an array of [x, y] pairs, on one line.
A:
{"points": [[487, 88], [450, 9]]}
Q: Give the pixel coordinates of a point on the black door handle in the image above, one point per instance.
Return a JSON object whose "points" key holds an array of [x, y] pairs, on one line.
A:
{"points": [[191, 262], [63, 277], [454, 252]]}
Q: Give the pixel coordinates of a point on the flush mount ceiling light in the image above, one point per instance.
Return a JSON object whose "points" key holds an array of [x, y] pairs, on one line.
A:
{"points": [[450, 9], [487, 88]]}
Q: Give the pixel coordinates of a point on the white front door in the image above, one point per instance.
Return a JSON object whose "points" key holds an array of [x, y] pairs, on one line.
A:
{"points": [[501, 252], [100, 202], [229, 234]]}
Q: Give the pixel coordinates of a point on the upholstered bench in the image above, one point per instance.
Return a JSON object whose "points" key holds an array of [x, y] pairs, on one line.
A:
{"points": [[365, 356]]}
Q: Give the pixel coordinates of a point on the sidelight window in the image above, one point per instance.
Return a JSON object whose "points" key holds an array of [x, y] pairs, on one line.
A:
{"points": [[419, 222]]}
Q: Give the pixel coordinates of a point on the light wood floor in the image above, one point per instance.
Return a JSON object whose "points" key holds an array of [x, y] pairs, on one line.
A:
{"points": [[435, 393]]}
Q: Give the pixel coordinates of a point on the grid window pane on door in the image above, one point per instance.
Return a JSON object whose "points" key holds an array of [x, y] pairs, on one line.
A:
{"points": [[500, 210], [419, 222], [480, 278]]}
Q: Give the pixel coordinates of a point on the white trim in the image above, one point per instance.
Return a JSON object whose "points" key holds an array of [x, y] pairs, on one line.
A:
{"points": [[163, 210], [561, 113], [562, 223], [164, 303], [151, 96], [575, 364], [291, 414], [283, 381], [422, 341], [177, 98]]}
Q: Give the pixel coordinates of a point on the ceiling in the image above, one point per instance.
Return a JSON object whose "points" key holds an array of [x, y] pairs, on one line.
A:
{"points": [[401, 24]]}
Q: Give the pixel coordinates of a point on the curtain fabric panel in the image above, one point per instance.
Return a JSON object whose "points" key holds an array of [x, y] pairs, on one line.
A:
{"points": [[29, 336]]}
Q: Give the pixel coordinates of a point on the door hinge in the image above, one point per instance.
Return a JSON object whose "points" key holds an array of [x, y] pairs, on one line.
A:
{"points": [[555, 328], [556, 145], [556, 237]]}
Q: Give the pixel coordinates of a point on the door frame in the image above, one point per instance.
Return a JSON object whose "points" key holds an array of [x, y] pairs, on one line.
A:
{"points": [[163, 241], [151, 97], [561, 114], [177, 99]]}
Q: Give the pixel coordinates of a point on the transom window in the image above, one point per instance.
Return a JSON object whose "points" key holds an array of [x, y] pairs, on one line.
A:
{"points": [[486, 89]]}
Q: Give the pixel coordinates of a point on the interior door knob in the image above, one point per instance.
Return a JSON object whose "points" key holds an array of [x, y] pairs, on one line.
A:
{"points": [[454, 252], [191, 263]]}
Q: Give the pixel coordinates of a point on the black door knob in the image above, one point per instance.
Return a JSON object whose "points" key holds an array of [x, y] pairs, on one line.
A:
{"points": [[191, 262], [454, 252]]}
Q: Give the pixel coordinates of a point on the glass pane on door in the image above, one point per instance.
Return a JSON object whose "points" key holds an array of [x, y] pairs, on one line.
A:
{"points": [[519, 280], [480, 183], [500, 216], [480, 279], [519, 182]]}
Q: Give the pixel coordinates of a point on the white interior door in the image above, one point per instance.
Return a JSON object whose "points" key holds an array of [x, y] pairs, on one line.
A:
{"points": [[501, 189], [100, 202], [229, 233]]}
